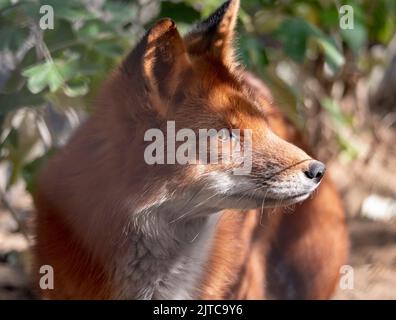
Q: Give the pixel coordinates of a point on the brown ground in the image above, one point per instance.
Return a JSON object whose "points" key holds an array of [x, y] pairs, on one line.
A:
{"points": [[373, 258]]}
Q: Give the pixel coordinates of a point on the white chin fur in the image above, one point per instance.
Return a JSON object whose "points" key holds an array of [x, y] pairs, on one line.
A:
{"points": [[235, 193]]}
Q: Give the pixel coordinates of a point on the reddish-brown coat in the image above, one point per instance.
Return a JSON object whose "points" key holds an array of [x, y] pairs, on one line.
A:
{"points": [[254, 255]]}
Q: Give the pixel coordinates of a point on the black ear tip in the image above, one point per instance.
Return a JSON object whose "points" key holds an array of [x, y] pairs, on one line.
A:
{"points": [[233, 3], [228, 5], [217, 16]]}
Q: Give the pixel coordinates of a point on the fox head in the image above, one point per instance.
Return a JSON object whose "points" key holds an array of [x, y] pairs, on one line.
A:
{"points": [[196, 82]]}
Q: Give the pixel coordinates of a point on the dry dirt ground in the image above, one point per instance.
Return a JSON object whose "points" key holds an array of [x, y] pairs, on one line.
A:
{"points": [[373, 258]]}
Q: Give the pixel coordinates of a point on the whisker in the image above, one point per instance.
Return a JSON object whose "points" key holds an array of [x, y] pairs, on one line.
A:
{"points": [[262, 211]]}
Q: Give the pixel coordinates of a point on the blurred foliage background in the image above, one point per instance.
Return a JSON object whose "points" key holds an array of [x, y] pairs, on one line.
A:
{"points": [[49, 78], [337, 85]]}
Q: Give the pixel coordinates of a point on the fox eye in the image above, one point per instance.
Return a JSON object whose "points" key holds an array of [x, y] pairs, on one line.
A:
{"points": [[234, 136], [226, 134]]}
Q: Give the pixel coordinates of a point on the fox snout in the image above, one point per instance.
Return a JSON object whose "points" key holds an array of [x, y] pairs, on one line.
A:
{"points": [[315, 171], [282, 173]]}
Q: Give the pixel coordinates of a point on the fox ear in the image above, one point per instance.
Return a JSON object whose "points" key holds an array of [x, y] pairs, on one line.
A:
{"points": [[157, 62], [215, 35]]}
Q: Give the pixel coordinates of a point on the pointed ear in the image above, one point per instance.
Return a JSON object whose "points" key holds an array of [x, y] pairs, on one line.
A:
{"points": [[157, 62], [215, 35]]}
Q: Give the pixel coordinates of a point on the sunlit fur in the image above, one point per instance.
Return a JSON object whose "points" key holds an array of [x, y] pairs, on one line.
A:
{"points": [[113, 226]]}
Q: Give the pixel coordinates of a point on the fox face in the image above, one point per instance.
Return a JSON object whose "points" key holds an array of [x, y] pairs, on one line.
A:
{"points": [[196, 83]]}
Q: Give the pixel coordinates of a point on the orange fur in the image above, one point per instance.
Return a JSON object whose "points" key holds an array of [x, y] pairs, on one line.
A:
{"points": [[254, 254]]}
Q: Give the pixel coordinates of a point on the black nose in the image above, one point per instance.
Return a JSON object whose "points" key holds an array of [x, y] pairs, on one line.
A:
{"points": [[316, 170]]}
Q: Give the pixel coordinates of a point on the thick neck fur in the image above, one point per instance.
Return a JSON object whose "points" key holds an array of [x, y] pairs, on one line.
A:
{"points": [[164, 259], [153, 241]]}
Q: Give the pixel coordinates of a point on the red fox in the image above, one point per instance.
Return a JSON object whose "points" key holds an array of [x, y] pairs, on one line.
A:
{"points": [[113, 226]]}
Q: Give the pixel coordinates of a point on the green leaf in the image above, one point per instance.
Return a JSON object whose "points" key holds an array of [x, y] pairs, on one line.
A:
{"points": [[51, 74], [69, 68], [76, 87], [333, 57], [38, 76], [382, 24], [355, 38], [329, 17], [5, 3], [294, 34], [54, 79]]}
